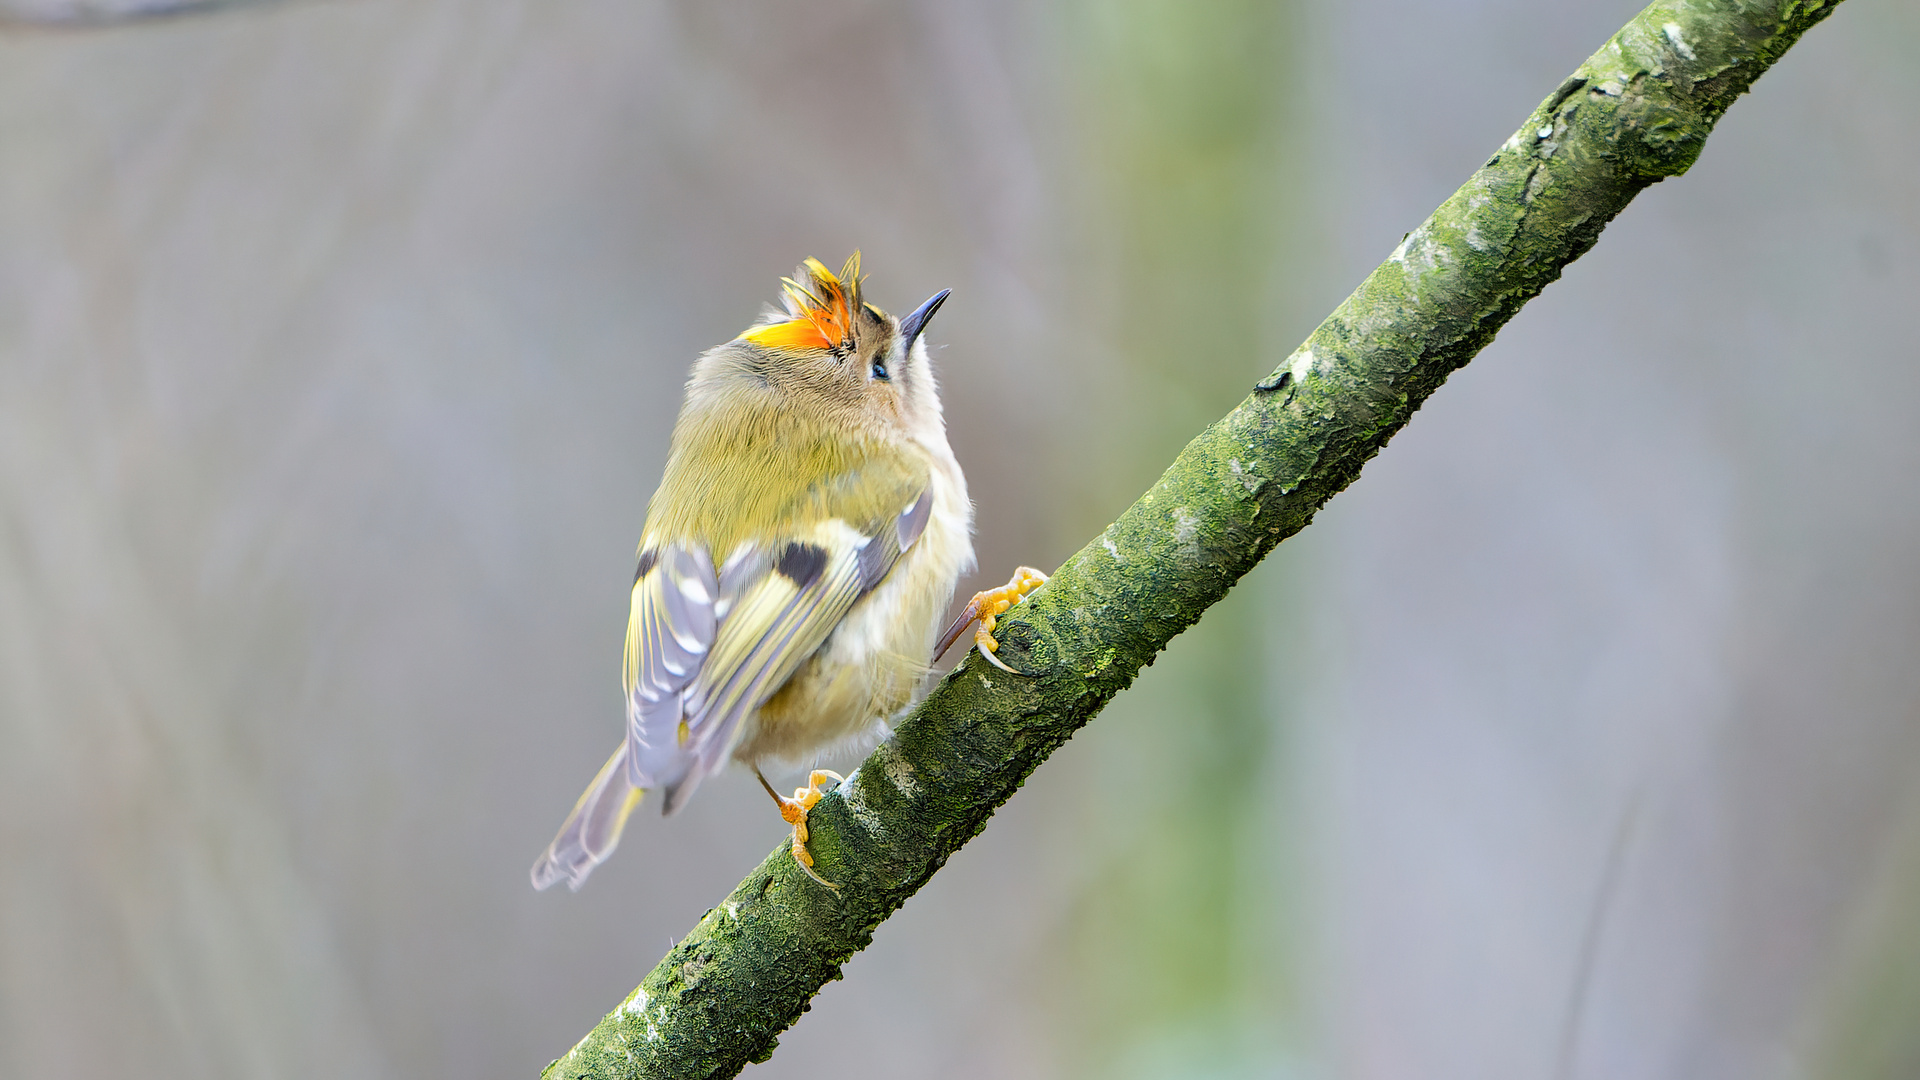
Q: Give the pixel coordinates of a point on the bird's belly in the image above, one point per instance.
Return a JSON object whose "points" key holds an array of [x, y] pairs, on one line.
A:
{"points": [[875, 663], [826, 705]]}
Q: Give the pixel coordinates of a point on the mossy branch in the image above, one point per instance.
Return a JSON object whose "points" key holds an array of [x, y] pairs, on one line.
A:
{"points": [[1636, 112]]}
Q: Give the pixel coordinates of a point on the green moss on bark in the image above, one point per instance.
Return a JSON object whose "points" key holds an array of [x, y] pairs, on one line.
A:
{"points": [[1636, 112]]}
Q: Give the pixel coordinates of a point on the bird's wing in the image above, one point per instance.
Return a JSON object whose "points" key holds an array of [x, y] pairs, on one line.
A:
{"points": [[706, 647]]}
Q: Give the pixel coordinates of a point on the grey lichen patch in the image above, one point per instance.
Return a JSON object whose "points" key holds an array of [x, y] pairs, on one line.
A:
{"points": [[1186, 532], [695, 968], [854, 792], [1672, 30], [1300, 364], [1247, 478], [868, 818], [1421, 254], [900, 771]]}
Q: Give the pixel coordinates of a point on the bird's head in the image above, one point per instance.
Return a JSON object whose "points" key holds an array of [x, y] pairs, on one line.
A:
{"points": [[826, 348]]}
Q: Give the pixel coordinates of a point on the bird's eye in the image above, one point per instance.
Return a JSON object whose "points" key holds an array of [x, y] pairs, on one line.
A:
{"points": [[879, 370]]}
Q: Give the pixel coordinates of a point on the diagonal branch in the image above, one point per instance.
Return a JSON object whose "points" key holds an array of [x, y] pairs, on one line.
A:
{"points": [[1636, 112]]}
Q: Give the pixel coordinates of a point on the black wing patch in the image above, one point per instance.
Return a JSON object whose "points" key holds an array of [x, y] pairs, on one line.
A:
{"points": [[800, 563]]}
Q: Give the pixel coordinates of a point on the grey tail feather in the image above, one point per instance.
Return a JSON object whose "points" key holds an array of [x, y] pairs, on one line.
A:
{"points": [[593, 829]]}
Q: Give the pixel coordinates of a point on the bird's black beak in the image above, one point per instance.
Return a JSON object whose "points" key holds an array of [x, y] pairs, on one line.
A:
{"points": [[912, 325]]}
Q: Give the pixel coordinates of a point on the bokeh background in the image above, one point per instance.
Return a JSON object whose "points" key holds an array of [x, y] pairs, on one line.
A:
{"points": [[339, 345]]}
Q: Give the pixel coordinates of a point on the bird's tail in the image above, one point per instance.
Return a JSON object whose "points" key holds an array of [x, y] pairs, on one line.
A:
{"points": [[593, 828]]}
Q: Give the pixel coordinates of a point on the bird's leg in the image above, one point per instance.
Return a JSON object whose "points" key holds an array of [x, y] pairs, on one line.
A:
{"points": [[987, 607], [794, 812]]}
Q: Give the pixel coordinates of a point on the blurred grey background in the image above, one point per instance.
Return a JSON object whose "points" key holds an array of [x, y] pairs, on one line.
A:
{"points": [[339, 345]]}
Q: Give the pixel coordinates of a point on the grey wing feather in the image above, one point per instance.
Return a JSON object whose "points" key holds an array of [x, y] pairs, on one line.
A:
{"points": [[777, 624], [880, 553], [668, 637], [913, 521], [704, 650]]}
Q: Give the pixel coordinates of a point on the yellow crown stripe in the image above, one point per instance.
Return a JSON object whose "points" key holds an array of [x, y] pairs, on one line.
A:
{"points": [[821, 310]]}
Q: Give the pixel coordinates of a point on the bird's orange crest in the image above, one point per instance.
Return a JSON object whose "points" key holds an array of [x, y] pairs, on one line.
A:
{"points": [[819, 313]]}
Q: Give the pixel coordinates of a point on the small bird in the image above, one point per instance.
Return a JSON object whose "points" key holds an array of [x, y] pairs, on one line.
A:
{"points": [[805, 539]]}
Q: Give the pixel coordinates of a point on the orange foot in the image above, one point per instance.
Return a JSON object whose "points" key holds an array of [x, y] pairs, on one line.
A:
{"points": [[794, 812], [987, 607]]}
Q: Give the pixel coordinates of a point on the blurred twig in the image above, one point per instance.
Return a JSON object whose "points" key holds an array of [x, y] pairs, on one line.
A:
{"points": [[1587, 960], [1636, 112], [85, 13]]}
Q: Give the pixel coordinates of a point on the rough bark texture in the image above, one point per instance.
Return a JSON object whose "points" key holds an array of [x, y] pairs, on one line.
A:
{"points": [[1636, 112]]}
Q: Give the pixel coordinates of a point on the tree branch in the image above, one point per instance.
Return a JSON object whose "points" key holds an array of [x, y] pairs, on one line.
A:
{"points": [[1636, 112]]}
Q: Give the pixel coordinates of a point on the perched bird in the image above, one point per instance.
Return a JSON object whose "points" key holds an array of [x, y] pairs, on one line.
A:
{"points": [[803, 543]]}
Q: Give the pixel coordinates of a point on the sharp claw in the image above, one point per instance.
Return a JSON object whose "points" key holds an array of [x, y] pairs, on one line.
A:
{"points": [[997, 662], [810, 871], [794, 812], [984, 607]]}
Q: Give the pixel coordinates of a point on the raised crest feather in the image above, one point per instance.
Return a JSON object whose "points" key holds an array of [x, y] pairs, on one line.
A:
{"points": [[818, 307]]}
